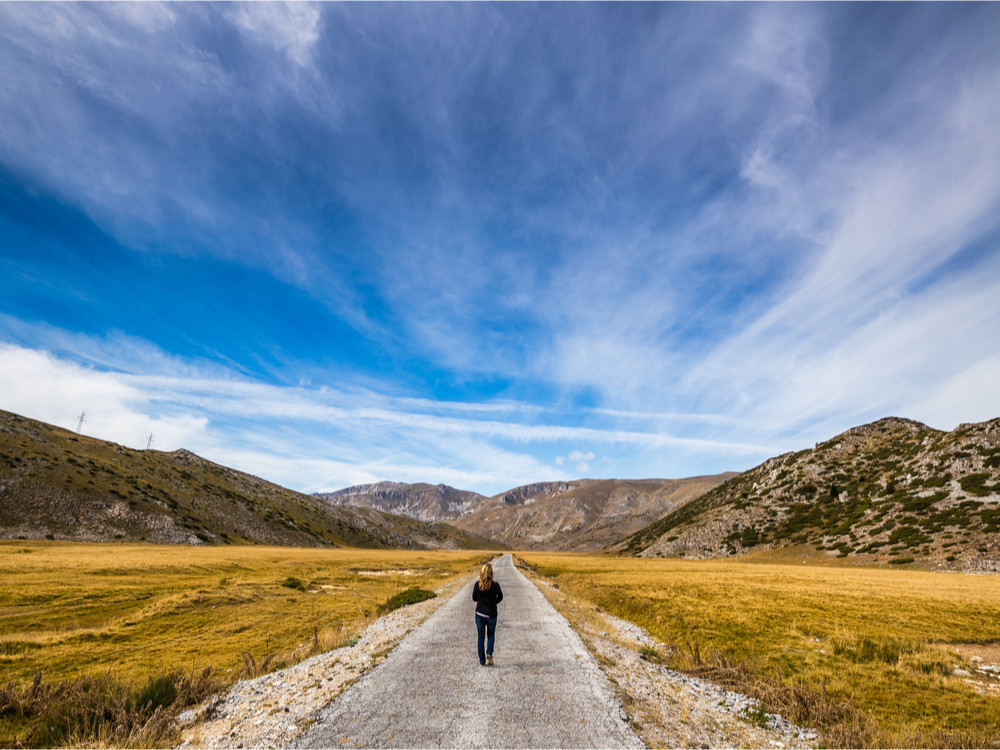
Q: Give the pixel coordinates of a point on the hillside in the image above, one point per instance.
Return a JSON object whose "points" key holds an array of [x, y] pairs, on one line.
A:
{"points": [[582, 515], [425, 502], [58, 485], [894, 491]]}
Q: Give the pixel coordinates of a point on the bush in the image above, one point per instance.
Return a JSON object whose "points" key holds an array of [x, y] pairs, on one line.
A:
{"points": [[159, 691], [975, 484], [650, 654], [404, 598], [756, 716], [293, 583]]}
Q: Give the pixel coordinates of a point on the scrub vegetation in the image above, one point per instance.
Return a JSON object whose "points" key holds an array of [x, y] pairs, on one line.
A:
{"points": [[893, 492], [867, 656], [101, 643], [62, 486]]}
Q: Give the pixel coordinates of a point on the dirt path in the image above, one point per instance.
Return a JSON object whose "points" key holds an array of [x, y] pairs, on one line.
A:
{"points": [[546, 690]]}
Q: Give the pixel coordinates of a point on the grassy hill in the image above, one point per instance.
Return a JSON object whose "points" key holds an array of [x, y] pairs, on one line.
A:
{"points": [[894, 491], [55, 484]]}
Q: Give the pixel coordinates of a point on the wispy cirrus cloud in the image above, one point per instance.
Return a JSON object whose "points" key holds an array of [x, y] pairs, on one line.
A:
{"points": [[675, 236], [322, 438]]}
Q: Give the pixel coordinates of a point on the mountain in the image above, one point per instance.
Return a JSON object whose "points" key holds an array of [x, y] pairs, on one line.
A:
{"points": [[582, 515], [58, 485], [893, 491], [425, 502]]}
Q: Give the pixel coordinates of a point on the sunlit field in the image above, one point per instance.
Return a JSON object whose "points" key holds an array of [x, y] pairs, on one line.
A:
{"points": [[809, 637], [94, 637], [71, 609]]}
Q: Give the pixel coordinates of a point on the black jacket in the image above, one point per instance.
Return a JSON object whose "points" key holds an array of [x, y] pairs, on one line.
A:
{"points": [[486, 601]]}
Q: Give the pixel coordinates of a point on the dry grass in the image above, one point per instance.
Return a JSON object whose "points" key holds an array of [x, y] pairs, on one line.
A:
{"points": [[862, 654], [98, 710], [103, 620]]}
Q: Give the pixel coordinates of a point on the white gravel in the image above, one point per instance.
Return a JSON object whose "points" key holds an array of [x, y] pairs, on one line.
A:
{"points": [[276, 708]]}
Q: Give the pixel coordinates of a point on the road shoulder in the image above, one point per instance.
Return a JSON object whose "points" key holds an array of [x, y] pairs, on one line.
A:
{"points": [[666, 708], [275, 709]]}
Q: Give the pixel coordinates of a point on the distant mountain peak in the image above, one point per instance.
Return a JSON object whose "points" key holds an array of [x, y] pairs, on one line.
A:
{"points": [[583, 514], [426, 502], [886, 426]]}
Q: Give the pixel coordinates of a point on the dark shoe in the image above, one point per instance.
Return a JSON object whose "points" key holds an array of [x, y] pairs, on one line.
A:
{"points": [[482, 664], [489, 659]]}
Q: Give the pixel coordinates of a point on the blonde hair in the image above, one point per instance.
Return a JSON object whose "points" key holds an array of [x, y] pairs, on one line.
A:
{"points": [[485, 577]]}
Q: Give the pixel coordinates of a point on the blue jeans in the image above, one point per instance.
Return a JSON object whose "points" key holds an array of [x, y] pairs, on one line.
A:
{"points": [[485, 626]]}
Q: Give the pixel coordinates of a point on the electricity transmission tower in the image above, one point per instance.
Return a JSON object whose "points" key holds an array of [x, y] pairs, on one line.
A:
{"points": [[149, 441], [83, 418]]}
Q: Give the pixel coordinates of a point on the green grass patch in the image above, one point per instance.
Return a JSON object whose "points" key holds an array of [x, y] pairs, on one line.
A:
{"points": [[404, 598]]}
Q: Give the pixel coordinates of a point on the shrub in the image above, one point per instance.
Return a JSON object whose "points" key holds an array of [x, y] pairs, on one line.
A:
{"points": [[756, 716], [975, 484], [293, 583], [159, 691], [404, 598], [650, 654]]}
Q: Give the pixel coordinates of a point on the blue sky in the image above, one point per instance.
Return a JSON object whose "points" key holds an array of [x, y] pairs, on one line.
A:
{"points": [[492, 244]]}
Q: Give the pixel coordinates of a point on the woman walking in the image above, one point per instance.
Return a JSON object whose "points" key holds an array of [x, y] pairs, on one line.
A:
{"points": [[486, 594]]}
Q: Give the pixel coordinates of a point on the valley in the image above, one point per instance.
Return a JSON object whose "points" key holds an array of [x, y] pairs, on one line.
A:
{"points": [[824, 583]]}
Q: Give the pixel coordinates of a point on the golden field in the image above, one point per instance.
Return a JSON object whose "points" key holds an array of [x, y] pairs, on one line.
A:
{"points": [[883, 641], [70, 609], [809, 639], [102, 645]]}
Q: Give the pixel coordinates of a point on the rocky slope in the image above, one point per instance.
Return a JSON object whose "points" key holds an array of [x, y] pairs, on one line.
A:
{"points": [[58, 485], [425, 502], [894, 491], [582, 515]]}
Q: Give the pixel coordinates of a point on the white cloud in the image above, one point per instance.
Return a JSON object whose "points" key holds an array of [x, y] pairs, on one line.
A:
{"points": [[582, 460], [39, 385], [306, 438], [291, 28], [148, 16]]}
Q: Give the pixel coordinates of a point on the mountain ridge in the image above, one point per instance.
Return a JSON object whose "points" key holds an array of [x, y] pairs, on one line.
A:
{"points": [[893, 491], [580, 515], [57, 484], [422, 501]]}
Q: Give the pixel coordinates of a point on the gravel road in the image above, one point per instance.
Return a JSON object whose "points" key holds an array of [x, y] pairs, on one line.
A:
{"points": [[546, 690]]}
